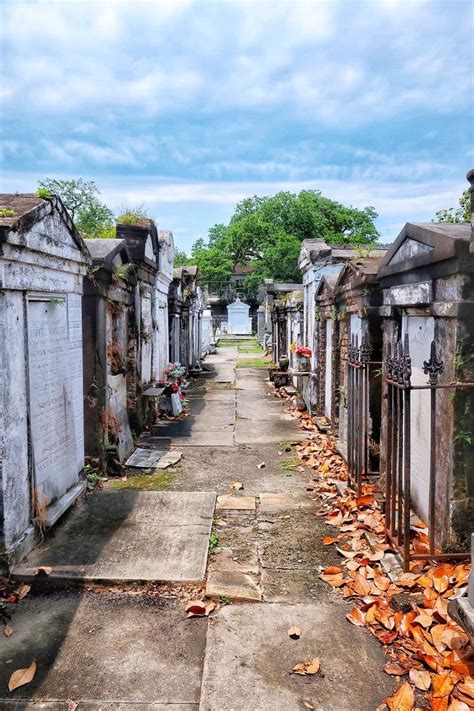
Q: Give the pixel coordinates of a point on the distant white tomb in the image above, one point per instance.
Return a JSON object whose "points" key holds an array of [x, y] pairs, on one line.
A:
{"points": [[239, 322]]}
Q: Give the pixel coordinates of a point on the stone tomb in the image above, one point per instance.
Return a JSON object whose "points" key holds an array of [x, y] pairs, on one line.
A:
{"points": [[42, 263], [239, 322]]}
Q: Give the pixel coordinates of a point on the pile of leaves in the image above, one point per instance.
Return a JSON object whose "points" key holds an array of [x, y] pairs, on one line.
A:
{"points": [[406, 612]]}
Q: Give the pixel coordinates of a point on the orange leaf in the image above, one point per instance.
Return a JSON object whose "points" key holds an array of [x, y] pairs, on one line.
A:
{"points": [[394, 668], [357, 617], [22, 676], [7, 631], [402, 700], [328, 540], [333, 570], [442, 685], [420, 679]]}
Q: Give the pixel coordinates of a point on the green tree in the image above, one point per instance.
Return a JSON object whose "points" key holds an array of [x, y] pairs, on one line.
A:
{"points": [[457, 214], [268, 232], [181, 258], [92, 217]]}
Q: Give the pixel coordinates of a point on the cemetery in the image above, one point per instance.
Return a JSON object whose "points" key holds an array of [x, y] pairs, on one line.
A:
{"points": [[113, 363]]}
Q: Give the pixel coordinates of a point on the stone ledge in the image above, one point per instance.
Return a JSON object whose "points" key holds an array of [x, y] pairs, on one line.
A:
{"points": [[56, 510], [462, 611]]}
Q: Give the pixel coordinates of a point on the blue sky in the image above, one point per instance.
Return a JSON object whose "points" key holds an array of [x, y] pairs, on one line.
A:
{"points": [[190, 106]]}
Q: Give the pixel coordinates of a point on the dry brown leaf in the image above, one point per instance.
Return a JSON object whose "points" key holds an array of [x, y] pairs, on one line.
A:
{"points": [[307, 668], [333, 570], [23, 591], [457, 705], [420, 679], [237, 486], [394, 668], [71, 705], [294, 632], [357, 617], [442, 685], [402, 700], [328, 540], [307, 705], [43, 570], [7, 631], [22, 676], [195, 608]]}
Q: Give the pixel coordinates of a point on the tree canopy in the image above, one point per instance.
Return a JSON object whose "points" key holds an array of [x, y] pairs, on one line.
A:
{"points": [[92, 217], [268, 232], [457, 214]]}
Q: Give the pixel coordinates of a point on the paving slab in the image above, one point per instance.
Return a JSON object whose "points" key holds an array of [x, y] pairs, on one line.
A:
{"points": [[228, 502], [145, 458], [253, 642], [129, 535], [232, 584], [104, 651]]}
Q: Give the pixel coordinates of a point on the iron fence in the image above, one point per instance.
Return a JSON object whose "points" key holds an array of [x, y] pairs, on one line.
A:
{"points": [[398, 510], [359, 370]]}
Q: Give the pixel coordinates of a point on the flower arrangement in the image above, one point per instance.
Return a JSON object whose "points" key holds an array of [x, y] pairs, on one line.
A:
{"points": [[175, 380], [302, 351]]}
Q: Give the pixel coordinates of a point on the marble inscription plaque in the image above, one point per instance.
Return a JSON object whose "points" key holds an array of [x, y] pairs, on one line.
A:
{"points": [[51, 413]]}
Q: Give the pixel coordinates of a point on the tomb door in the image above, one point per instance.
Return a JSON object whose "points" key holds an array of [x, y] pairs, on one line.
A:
{"points": [[420, 330], [51, 407], [328, 370]]}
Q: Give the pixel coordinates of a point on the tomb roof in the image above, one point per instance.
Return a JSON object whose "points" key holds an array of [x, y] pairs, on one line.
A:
{"points": [[104, 251], [28, 209], [20, 203], [421, 245]]}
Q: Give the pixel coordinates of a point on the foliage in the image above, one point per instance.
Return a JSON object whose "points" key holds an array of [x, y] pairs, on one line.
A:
{"points": [[181, 258], [268, 232], [93, 218], [134, 215], [7, 212], [123, 272], [459, 214]]}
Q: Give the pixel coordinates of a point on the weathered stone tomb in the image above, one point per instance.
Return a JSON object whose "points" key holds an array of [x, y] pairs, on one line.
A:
{"points": [[42, 263]]}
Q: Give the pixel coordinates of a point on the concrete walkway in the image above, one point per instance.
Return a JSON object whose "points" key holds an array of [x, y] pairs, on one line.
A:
{"points": [[132, 647]]}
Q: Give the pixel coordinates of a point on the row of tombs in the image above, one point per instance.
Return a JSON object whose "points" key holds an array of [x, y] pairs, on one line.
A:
{"points": [[87, 331], [379, 347]]}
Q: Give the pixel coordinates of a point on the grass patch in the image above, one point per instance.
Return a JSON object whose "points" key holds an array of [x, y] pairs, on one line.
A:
{"points": [[213, 537], [289, 464], [147, 482], [254, 363], [249, 345]]}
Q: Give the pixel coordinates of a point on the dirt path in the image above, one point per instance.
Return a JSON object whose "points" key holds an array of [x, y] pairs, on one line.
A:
{"points": [[133, 648]]}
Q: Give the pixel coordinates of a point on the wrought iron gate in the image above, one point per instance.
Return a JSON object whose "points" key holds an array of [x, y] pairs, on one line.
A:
{"points": [[397, 373], [359, 366]]}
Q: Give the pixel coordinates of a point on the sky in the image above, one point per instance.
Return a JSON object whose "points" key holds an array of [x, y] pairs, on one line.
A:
{"points": [[190, 106]]}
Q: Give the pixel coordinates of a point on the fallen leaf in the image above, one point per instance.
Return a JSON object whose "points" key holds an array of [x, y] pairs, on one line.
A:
{"points": [[420, 679], [261, 465], [71, 705], [442, 685], [7, 631], [307, 668], [43, 570], [328, 540], [22, 676], [457, 705], [394, 668], [357, 617], [23, 591], [210, 606], [294, 632], [402, 700], [237, 486], [307, 705], [195, 608], [333, 570]]}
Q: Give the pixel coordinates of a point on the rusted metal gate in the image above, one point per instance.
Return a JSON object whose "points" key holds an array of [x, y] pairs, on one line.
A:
{"points": [[397, 374], [359, 367]]}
